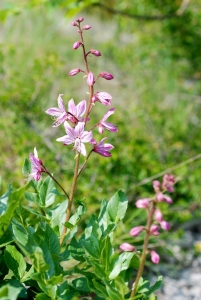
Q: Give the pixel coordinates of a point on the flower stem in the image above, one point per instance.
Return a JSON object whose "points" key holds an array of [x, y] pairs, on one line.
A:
{"points": [[145, 247], [68, 211], [84, 164], [47, 172]]}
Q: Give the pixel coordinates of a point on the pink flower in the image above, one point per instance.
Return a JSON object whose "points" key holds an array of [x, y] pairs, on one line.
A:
{"points": [[73, 23], [109, 126], [135, 231], [156, 185], [86, 27], [159, 196], [167, 199], [127, 247], [155, 258], [165, 225], [142, 203], [158, 215], [80, 20], [106, 75], [95, 52], [168, 182], [74, 72], [90, 79], [101, 148], [76, 112], [102, 97], [154, 230], [77, 136], [36, 166], [60, 113], [76, 45]]}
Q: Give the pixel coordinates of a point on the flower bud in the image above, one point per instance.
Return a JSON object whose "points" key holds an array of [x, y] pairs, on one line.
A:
{"points": [[168, 182], [154, 230], [95, 52], [155, 258], [167, 199], [159, 197], [142, 203], [74, 72], [158, 215], [165, 225], [156, 185], [127, 247], [80, 19], [135, 231], [76, 45], [86, 27], [73, 23], [90, 79], [106, 75]]}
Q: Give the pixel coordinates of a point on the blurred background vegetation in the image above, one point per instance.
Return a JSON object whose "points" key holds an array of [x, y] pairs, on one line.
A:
{"points": [[153, 49]]}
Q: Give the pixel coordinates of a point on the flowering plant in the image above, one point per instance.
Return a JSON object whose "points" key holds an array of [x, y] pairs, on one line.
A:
{"points": [[43, 256]]}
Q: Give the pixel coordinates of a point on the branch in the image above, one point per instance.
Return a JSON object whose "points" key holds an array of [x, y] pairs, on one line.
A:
{"points": [[176, 14]]}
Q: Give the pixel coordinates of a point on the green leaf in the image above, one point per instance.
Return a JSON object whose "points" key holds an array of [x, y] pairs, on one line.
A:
{"points": [[102, 292], [117, 206], [120, 263], [8, 292], [13, 198], [57, 215], [80, 284], [76, 250], [39, 261], [42, 296], [114, 294], [33, 197], [20, 234], [46, 195], [51, 240], [26, 169], [156, 285], [15, 261]]}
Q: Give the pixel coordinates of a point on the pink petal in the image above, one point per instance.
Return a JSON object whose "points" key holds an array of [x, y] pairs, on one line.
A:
{"points": [[86, 136], [67, 140], [79, 129], [108, 113], [60, 103], [69, 130], [53, 111], [81, 108], [72, 107], [82, 149], [109, 126]]}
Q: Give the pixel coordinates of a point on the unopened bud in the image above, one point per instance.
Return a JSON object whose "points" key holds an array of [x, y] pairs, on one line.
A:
{"points": [[90, 79], [73, 23], [159, 197], [167, 199], [165, 225], [80, 19], [142, 203], [158, 215], [76, 45], [135, 231], [95, 52], [74, 72], [154, 230], [86, 27], [127, 247], [106, 75], [156, 185], [155, 258]]}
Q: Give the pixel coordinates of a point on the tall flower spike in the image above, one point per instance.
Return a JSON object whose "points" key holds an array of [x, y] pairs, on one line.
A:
{"points": [[101, 148], [109, 126], [36, 166], [60, 113], [76, 136]]}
